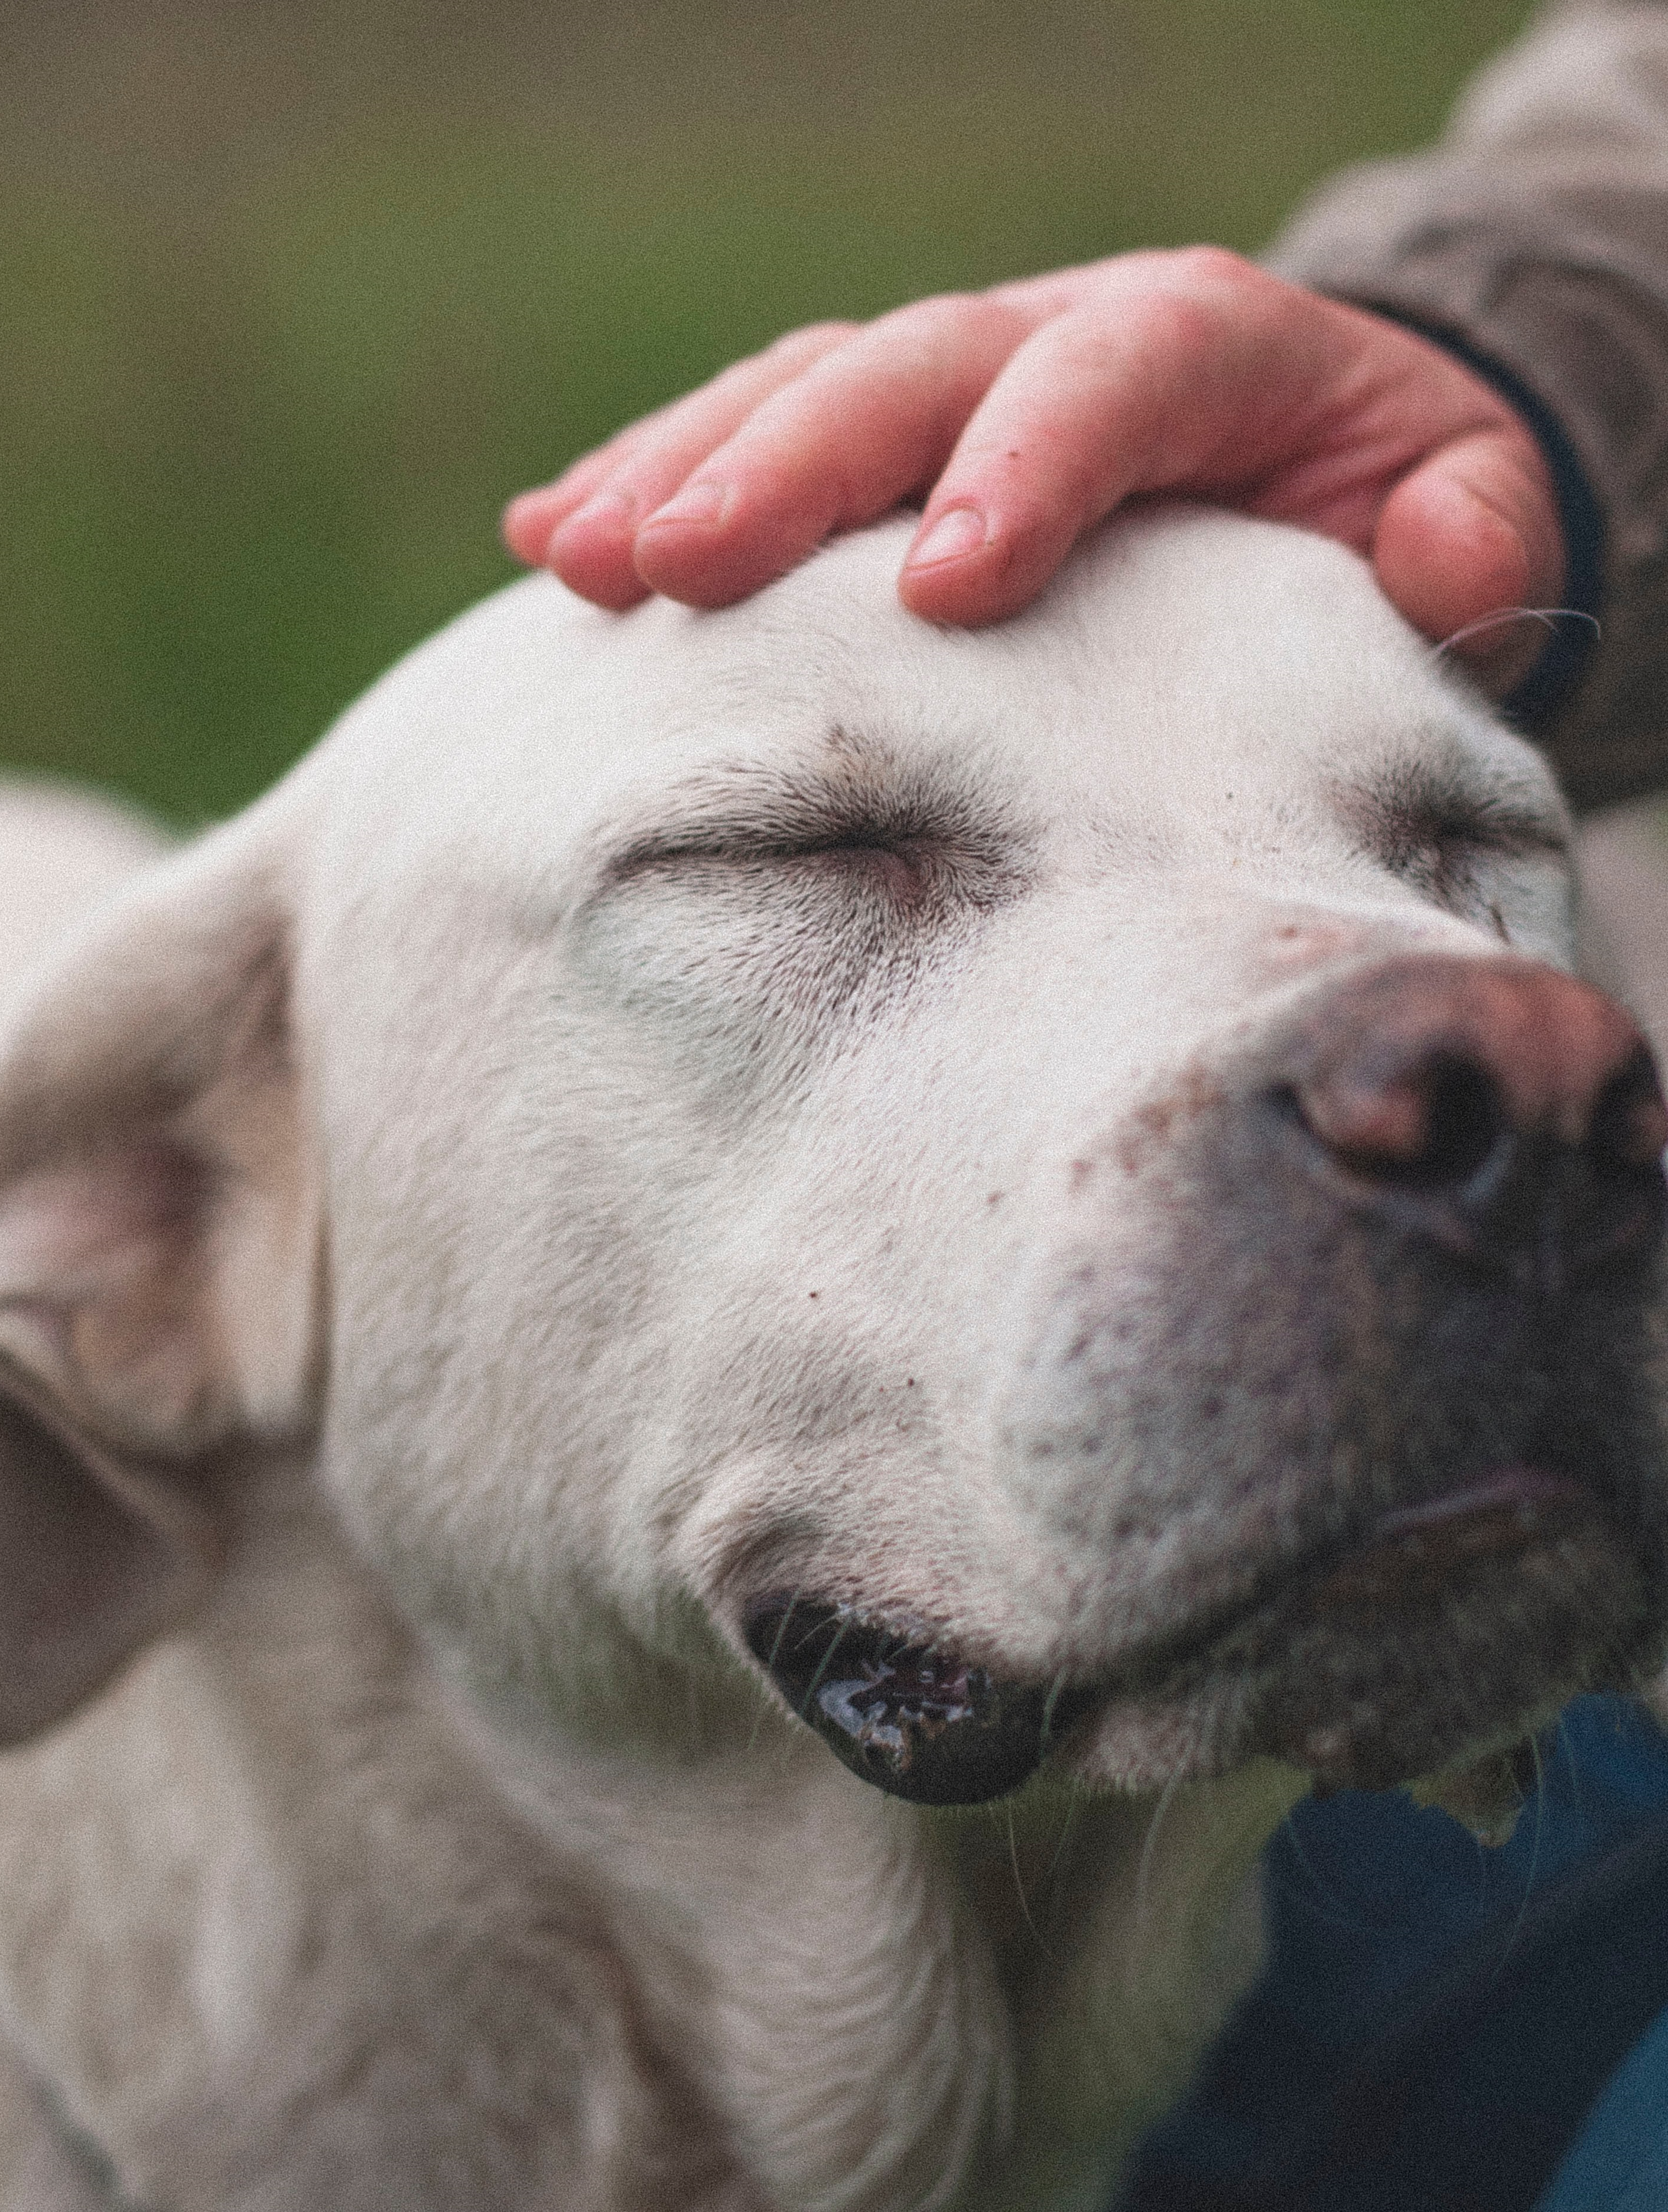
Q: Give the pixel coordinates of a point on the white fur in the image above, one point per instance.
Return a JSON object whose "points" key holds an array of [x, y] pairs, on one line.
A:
{"points": [[554, 1253]]}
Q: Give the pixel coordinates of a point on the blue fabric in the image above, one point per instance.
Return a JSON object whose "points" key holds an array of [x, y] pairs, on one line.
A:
{"points": [[1367, 1892], [1620, 2162], [1397, 1943]]}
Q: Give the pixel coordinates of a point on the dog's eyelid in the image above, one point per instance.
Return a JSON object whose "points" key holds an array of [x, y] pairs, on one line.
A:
{"points": [[923, 829], [1514, 831], [1402, 822], [745, 844]]}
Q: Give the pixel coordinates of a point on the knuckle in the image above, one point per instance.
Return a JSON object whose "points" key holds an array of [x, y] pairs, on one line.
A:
{"points": [[1217, 266], [815, 338], [1174, 321], [945, 318], [1181, 297]]}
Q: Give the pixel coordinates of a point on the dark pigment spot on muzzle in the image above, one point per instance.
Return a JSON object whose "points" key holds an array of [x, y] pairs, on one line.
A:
{"points": [[917, 1722]]}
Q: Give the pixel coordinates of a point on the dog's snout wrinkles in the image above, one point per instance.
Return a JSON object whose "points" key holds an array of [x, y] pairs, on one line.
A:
{"points": [[1504, 1110]]}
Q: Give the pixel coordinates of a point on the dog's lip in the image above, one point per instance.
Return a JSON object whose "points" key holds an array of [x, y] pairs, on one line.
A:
{"points": [[1518, 1505], [926, 1720], [1525, 1490], [1515, 1506], [917, 1720]]}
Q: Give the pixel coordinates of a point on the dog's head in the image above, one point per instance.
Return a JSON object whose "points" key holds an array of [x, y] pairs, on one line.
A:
{"points": [[1046, 1193]]}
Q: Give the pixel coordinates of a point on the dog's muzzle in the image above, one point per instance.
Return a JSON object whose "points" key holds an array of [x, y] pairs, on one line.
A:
{"points": [[1420, 1264]]}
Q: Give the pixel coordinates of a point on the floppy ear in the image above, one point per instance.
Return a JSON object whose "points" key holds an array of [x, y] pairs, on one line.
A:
{"points": [[158, 1241]]}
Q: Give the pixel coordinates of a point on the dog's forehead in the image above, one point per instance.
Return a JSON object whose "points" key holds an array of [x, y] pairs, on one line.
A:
{"points": [[1186, 662], [1175, 647]]}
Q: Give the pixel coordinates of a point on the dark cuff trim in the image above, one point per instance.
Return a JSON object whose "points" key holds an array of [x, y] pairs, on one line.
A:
{"points": [[1548, 684]]}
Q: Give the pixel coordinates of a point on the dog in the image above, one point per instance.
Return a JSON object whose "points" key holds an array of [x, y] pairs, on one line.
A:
{"points": [[727, 1354]]}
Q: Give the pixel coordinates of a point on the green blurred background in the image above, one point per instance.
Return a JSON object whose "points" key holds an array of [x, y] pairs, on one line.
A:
{"points": [[291, 297]]}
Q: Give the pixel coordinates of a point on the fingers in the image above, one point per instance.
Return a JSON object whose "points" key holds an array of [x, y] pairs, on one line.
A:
{"points": [[1040, 461], [1472, 534], [732, 487], [1130, 390], [1199, 374], [1037, 408], [585, 524], [531, 518], [837, 446]]}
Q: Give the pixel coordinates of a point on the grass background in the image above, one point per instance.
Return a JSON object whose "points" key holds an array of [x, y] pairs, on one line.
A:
{"points": [[291, 297]]}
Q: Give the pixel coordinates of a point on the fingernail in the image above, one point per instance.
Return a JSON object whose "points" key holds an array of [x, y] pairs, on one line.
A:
{"points": [[696, 502], [609, 507], [520, 528], [606, 512], [958, 531]]}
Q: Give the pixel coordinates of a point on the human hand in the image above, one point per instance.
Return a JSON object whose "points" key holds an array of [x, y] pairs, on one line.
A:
{"points": [[1028, 412]]}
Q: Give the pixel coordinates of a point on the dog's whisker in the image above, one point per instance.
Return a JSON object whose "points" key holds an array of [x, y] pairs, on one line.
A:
{"points": [[1534, 1856], [1055, 1689], [1073, 1799], [1019, 1880], [1565, 1751], [1143, 1880], [1549, 617], [823, 1665], [761, 1709]]}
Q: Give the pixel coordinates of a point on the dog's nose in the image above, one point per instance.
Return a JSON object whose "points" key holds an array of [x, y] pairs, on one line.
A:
{"points": [[1500, 1107]]}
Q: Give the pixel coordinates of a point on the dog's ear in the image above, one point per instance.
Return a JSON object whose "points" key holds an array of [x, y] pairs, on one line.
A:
{"points": [[159, 1258]]}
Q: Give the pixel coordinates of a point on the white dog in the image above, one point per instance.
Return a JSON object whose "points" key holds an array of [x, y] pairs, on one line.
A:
{"points": [[726, 1355]]}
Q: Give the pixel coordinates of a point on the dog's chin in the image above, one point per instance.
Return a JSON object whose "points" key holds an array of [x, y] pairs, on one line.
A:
{"points": [[1453, 1626], [1447, 1628]]}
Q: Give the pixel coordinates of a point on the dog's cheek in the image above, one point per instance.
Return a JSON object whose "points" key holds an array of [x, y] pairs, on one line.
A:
{"points": [[496, 1430], [740, 978]]}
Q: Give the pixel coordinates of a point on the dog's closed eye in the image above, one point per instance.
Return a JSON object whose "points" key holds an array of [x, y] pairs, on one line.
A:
{"points": [[1443, 835], [760, 901], [914, 867], [924, 841]]}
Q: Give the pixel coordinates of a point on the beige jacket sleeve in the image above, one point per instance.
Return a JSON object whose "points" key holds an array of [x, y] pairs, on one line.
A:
{"points": [[1536, 233]]}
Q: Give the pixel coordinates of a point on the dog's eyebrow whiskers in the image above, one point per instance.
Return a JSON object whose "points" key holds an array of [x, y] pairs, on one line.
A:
{"points": [[750, 812], [1549, 617]]}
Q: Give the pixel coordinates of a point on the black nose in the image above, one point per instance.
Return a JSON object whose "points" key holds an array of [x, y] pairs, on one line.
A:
{"points": [[1498, 1107]]}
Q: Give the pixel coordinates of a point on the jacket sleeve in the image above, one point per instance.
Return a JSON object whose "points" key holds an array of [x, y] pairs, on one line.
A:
{"points": [[1535, 236]]}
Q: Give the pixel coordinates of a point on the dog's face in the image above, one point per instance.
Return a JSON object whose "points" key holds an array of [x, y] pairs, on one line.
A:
{"points": [[1040, 1194]]}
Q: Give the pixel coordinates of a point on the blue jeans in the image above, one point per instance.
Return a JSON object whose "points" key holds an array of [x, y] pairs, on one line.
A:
{"points": [[1442, 2025]]}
